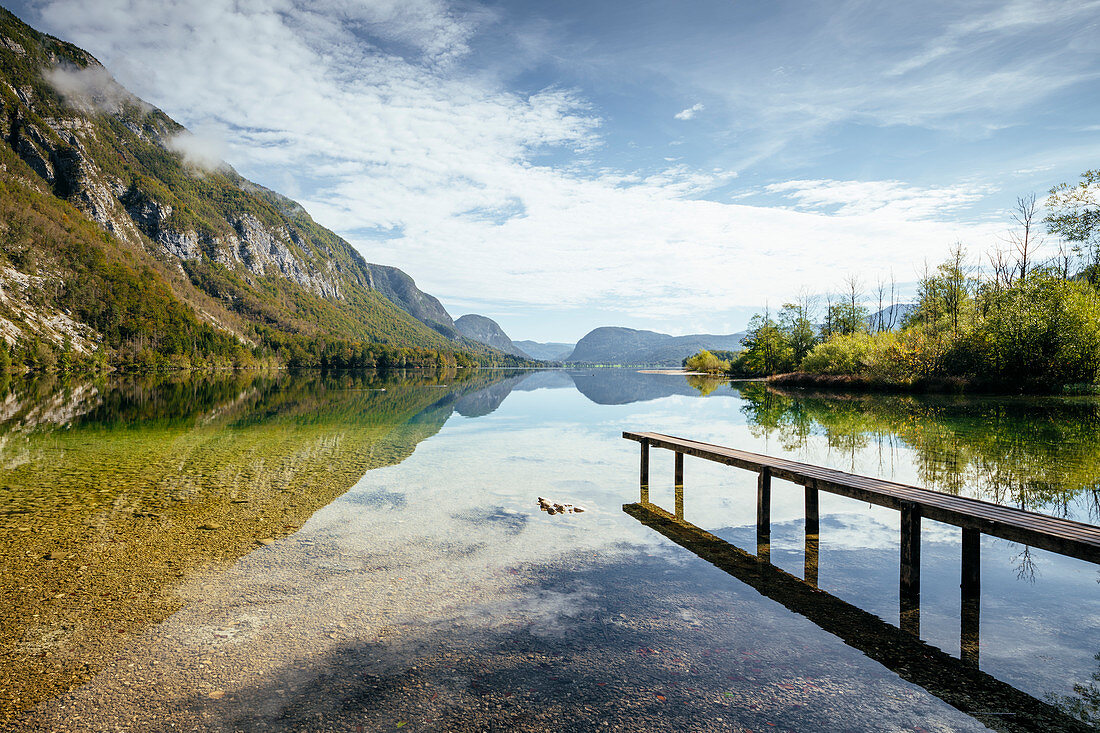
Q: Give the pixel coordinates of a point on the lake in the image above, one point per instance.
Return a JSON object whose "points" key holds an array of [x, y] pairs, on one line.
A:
{"points": [[366, 552]]}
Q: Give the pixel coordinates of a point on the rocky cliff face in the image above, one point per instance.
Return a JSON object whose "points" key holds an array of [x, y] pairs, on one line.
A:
{"points": [[57, 148], [118, 160], [400, 288], [487, 331]]}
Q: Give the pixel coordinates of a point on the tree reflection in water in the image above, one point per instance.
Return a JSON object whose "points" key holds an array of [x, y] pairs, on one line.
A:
{"points": [[1035, 453]]}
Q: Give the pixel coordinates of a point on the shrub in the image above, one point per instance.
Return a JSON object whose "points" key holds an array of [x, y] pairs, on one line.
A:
{"points": [[841, 354], [707, 362]]}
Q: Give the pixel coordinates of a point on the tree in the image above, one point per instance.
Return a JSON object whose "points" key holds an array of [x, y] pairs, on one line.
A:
{"points": [[707, 362], [847, 315], [944, 294], [1025, 240], [767, 350], [956, 284], [1074, 215], [796, 324]]}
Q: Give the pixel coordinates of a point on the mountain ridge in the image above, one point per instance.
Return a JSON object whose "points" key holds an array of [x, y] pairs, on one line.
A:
{"points": [[546, 351], [629, 346], [242, 271]]}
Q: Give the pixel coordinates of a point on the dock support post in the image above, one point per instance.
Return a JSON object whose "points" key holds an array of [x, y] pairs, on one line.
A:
{"points": [[910, 568], [679, 486], [812, 535], [970, 622], [644, 473], [764, 515]]}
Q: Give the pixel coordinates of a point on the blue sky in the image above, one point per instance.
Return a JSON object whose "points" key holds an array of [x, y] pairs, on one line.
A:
{"points": [[667, 165]]}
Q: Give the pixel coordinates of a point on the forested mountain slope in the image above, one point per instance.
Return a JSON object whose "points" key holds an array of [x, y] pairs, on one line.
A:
{"points": [[116, 241]]}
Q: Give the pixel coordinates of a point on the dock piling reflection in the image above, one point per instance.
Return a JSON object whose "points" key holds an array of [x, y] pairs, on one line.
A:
{"points": [[909, 594], [809, 572], [679, 486], [970, 587], [764, 515], [958, 682]]}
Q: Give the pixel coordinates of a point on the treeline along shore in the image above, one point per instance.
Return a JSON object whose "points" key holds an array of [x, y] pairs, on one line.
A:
{"points": [[1007, 320]]}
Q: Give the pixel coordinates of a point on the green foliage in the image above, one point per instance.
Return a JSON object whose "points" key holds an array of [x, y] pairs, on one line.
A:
{"points": [[1075, 216], [1043, 331], [841, 354], [707, 362], [845, 318], [767, 348], [771, 346], [801, 334]]}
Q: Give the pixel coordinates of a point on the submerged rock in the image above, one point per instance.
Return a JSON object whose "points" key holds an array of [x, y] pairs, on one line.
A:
{"points": [[556, 507]]}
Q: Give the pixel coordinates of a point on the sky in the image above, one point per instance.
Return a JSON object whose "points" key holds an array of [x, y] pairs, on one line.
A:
{"points": [[559, 166]]}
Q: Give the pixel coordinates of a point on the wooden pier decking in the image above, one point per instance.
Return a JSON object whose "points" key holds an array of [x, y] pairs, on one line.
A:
{"points": [[1063, 536], [959, 683], [975, 517]]}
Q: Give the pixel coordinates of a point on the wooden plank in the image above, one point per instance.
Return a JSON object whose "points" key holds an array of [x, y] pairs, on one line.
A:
{"points": [[1062, 536], [890, 493]]}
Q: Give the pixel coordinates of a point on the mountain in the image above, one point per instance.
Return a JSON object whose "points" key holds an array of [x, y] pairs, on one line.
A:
{"points": [[120, 243], [549, 351], [487, 331], [401, 290], [890, 318], [616, 345]]}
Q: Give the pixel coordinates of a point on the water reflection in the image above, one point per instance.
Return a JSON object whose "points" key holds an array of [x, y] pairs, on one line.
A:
{"points": [[1040, 454], [602, 386], [114, 492], [438, 550], [957, 682]]}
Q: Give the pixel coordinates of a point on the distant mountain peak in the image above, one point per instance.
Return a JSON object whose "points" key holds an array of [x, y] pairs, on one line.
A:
{"points": [[631, 346], [486, 331]]}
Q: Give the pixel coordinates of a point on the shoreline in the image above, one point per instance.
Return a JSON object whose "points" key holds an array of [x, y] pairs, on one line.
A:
{"points": [[941, 385]]}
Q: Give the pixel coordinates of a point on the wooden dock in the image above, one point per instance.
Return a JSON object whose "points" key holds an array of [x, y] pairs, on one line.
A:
{"points": [[975, 517], [1062, 536]]}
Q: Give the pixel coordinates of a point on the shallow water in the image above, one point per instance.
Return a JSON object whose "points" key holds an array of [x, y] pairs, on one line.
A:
{"points": [[407, 577]]}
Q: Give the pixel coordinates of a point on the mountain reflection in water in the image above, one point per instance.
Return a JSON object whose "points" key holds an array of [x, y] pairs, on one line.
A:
{"points": [[115, 492], [413, 580]]}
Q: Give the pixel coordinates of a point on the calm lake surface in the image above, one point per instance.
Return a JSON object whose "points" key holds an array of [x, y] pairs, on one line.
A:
{"points": [[365, 552]]}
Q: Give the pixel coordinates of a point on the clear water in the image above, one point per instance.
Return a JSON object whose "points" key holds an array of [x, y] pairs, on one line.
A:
{"points": [[367, 552]]}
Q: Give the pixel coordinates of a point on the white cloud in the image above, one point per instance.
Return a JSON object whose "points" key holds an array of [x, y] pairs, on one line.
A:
{"points": [[882, 199], [203, 151], [690, 112], [362, 111], [89, 88]]}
